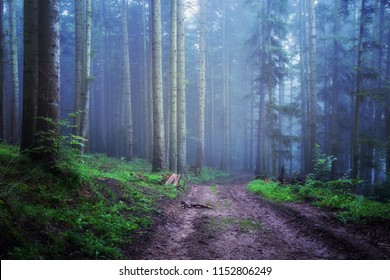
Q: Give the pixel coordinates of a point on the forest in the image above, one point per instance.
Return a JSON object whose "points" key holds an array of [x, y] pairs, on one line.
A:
{"points": [[273, 104]]}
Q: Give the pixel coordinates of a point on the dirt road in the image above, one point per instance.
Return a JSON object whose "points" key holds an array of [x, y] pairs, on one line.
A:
{"points": [[242, 226]]}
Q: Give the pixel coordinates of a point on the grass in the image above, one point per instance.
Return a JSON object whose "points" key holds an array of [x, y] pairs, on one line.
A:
{"points": [[272, 191], [207, 175], [247, 225], [214, 189], [332, 195], [87, 211]]}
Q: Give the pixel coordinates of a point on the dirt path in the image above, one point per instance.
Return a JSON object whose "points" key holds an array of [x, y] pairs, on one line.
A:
{"points": [[244, 226]]}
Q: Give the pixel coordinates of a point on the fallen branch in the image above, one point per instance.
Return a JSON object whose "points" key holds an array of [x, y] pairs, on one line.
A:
{"points": [[187, 204]]}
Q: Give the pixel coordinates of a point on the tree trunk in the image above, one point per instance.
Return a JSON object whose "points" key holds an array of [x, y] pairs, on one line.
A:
{"points": [[127, 84], [3, 128], [84, 125], [79, 59], [30, 73], [181, 92], [202, 87], [387, 115], [387, 112], [270, 105], [224, 132], [102, 103], [379, 108], [358, 95], [14, 75], [260, 168], [290, 122], [252, 130], [335, 88], [48, 105], [173, 90], [158, 115], [212, 115], [305, 161], [146, 88], [281, 123], [313, 83], [150, 88]]}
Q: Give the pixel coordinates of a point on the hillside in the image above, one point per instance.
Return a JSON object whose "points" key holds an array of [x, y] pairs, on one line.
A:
{"points": [[87, 209]]}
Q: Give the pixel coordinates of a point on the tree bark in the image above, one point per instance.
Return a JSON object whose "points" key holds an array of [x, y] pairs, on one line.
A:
{"points": [[173, 90], [335, 88], [202, 87], [14, 75], [3, 128], [252, 130], [181, 92], [281, 123], [212, 115], [270, 106], [387, 112], [102, 115], [146, 88], [379, 108], [79, 62], [84, 125], [358, 95], [305, 161], [158, 116], [313, 83], [260, 157], [224, 132], [150, 88], [49, 77], [30, 73], [260, 165], [127, 84]]}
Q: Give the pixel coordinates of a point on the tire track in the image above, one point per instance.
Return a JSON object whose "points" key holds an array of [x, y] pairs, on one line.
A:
{"points": [[244, 226]]}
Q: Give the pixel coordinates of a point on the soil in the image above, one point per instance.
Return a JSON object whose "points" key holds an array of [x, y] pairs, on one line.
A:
{"points": [[243, 226]]}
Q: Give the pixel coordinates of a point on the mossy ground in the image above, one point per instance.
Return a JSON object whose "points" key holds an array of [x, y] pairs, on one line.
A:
{"points": [[334, 195], [87, 209]]}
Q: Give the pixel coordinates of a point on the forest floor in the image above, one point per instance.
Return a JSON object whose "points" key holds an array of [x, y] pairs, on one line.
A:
{"points": [[242, 225]]}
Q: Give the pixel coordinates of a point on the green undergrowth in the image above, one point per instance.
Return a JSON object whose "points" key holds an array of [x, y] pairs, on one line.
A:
{"points": [[333, 195], [207, 175], [87, 209]]}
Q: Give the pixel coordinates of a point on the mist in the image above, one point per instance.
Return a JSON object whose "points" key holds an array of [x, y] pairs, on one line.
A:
{"points": [[294, 87]]}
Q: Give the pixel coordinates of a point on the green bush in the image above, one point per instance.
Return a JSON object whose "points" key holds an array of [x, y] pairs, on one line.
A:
{"points": [[273, 191], [334, 195], [322, 164]]}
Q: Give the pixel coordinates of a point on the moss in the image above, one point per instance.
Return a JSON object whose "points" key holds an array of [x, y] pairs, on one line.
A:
{"points": [[272, 191], [334, 195], [86, 210]]}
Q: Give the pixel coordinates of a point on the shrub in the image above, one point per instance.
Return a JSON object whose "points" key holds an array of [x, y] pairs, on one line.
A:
{"points": [[273, 191]]}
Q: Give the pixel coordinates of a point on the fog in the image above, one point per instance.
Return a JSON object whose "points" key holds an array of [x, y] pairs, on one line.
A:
{"points": [[300, 86]]}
